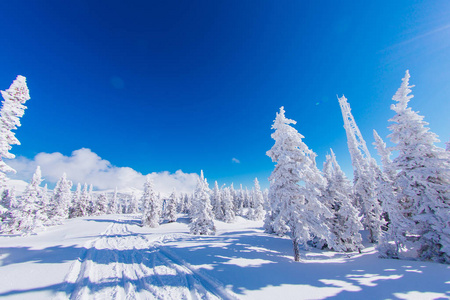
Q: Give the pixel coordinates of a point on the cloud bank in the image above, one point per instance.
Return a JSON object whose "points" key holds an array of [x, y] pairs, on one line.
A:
{"points": [[83, 165]]}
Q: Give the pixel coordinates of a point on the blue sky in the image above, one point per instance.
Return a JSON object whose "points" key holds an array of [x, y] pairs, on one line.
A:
{"points": [[168, 85]]}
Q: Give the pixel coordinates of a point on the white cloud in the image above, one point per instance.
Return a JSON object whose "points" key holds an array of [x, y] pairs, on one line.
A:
{"points": [[83, 165], [235, 160]]}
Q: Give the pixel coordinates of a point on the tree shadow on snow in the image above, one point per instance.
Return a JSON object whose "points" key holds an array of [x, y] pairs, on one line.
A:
{"points": [[250, 261], [244, 262]]}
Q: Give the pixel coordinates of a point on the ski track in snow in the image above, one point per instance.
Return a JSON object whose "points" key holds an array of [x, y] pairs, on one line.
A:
{"points": [[120, 264]]}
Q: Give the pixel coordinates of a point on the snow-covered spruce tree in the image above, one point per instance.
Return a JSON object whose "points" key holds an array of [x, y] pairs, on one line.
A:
{"points": [[423, 180], [393, 239], [295, 208], [256, 210], [8, 200], [32, 216], [10, 214], [44, 200], [113, 205], [13, 109], [227, 206], [187, 202], [201, 210], [133, 206], [151, 205], [170, 213], [364, 183], [247, 202], [216, 202], [266, 199], [385, 155], [344, 223], [73, 210], [60, 202], [81, 205], [239, 201], [101, 204]]}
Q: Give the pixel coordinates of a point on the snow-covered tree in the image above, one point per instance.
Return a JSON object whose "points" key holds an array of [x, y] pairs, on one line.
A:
{"points": [[171, 208], [60, 202], [73, 210], [80, 206], [10, 214], [423, 180], [364, 183], [256, 209], [151, 205], [393, 239], [44, 201], [295, 208], [227, 206], [32, 215], [133, 206], [216, 202], [385, 155], [101, 204], [13, 109], [344, 223], [266, 199], [201, 210], [8, 199], [184, 203], [239, 199], [113, 205]]}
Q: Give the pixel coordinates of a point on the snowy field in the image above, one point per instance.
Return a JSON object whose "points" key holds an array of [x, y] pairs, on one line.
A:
{"points": [[112, 257]]}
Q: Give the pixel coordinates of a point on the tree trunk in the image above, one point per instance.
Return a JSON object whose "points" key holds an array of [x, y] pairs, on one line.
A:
{"points": [[296, 250]]}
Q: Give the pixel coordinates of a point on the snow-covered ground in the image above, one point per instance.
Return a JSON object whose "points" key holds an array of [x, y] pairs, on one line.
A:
{"points": [[112, 257]]}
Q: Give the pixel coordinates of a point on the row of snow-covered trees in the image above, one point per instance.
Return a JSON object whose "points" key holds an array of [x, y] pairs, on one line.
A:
{"points": [[37, 207], [203, 206], [404, 206]]}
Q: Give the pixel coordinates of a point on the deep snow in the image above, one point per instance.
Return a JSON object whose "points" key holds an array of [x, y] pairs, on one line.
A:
{"points": [[111, 257]]}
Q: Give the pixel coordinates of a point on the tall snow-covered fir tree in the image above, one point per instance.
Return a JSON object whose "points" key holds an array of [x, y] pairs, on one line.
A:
{"points": [[113, 204], [239, 199], [364, 183], [216, 202], [201, 214], [60, 202], [27, 214], [170, 213], [13, 109], [393, 239], [32, 214], [256, 207], [229, 215], [423, 179], [73, 210], [295, 208], [385, 155], [133, 205], [151, 205], [10, 214], [80, 207], [344, 223], [101, 204]]}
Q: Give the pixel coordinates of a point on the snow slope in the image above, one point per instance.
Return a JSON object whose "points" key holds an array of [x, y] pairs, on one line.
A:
{"points": [[112, 257]]}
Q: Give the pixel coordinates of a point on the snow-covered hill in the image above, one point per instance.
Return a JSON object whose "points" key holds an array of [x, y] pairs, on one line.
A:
{"points": [[112, 257]]}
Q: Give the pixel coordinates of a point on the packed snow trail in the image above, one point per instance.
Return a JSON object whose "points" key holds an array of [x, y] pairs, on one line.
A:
{"points": [[120, 264]]}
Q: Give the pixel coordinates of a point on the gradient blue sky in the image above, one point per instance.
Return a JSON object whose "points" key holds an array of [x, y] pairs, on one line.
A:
{"points": [[190, 85]]}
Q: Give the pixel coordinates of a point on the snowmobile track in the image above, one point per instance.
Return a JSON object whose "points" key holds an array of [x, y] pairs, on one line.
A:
{"points": [[120, 264]]}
